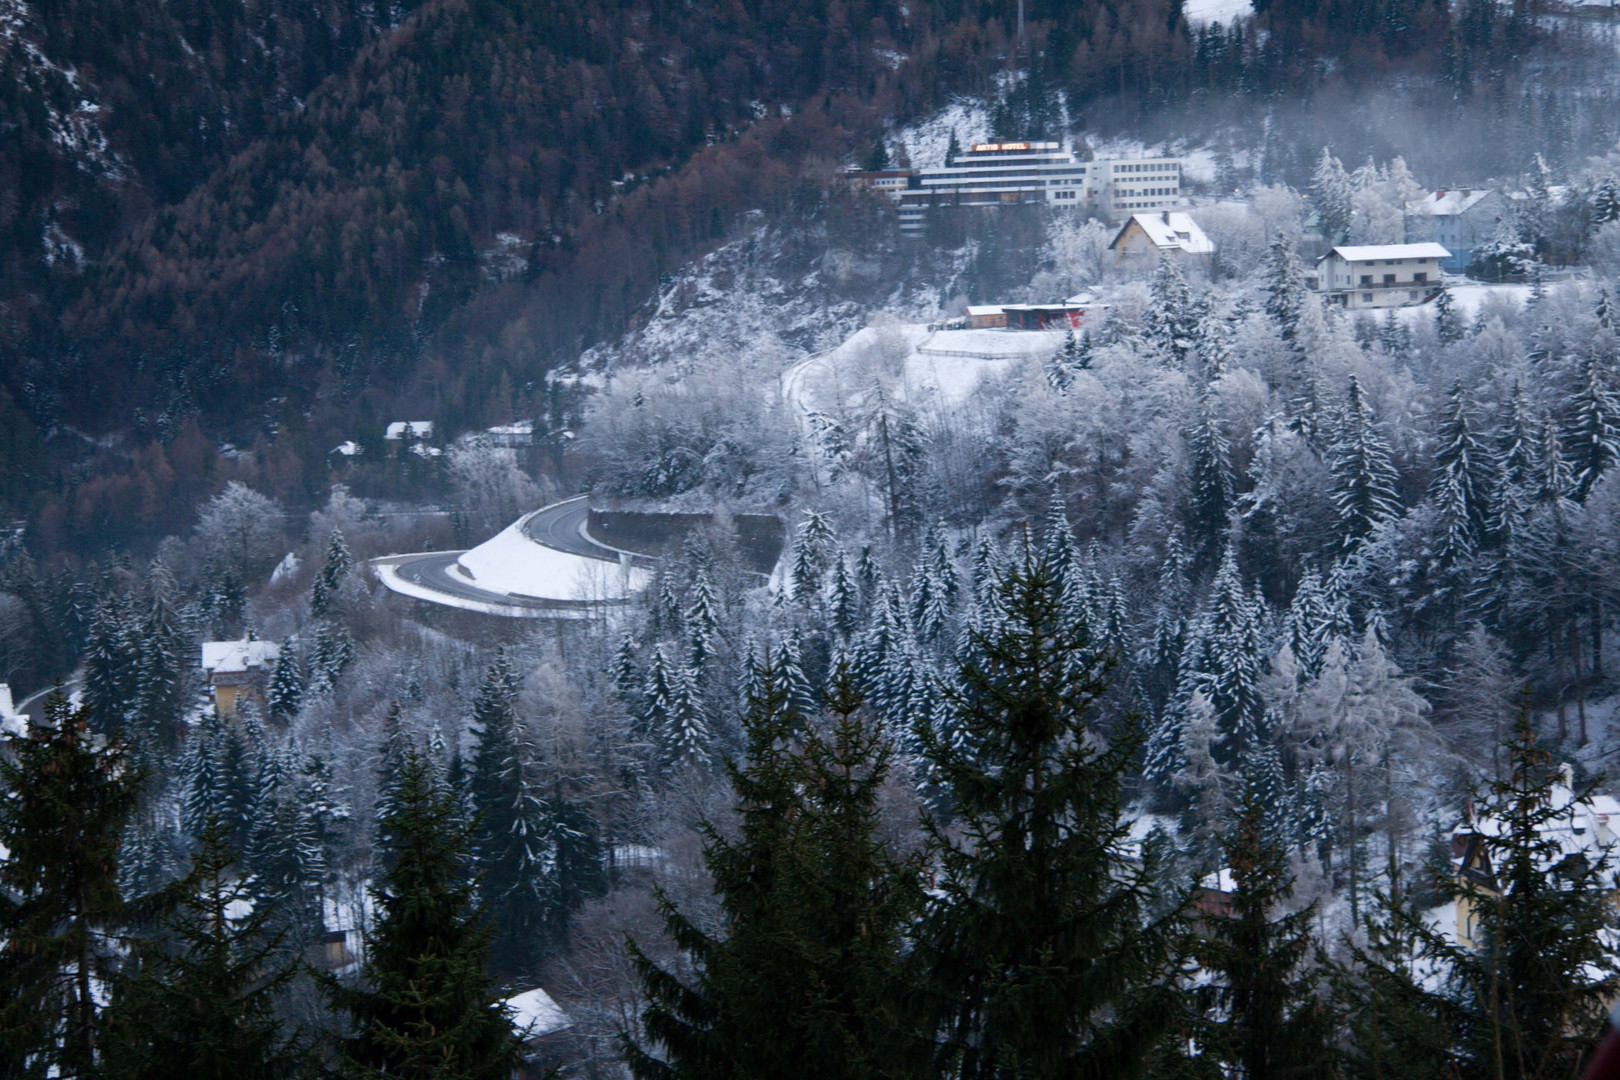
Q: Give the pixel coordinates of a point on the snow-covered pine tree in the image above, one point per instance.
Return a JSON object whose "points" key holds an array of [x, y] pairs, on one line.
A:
{"points": [[1464, 476], [703, 635], [1284, 286], [843, 598], [1332, 197], [1594, 427], [284, 857], [813, 549], [111, 687], [1364, 491], [1554, 479], [671, 719], [1606, 202], [1214, 341], [426, 1003], [624, 671], [1213, 484], [285, 695], [1232, 661], [331, 655], [331, 576], [163, 668], [1172, 317], [1448, 326], [1060, 366], [789, 673]]}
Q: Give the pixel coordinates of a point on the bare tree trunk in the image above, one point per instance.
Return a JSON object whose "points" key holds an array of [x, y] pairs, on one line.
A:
{"points": [[1597, 639]]}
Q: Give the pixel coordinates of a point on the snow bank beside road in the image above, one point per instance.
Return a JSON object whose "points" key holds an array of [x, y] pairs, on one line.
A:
{"points": [[509, 562]]}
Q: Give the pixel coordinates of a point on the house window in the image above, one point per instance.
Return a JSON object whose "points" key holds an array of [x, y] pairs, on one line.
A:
{"points": [[1389, 279], [1366, 279], [1366, 298], [1420, 278], [1411, 294]]}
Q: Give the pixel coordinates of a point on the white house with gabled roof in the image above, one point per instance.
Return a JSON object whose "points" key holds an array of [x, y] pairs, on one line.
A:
{"points": [[1380, 275], [1147, 238], [1459, 218]]}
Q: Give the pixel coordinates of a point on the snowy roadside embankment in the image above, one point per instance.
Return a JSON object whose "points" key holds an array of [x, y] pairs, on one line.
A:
{"points": [[511, 563]]}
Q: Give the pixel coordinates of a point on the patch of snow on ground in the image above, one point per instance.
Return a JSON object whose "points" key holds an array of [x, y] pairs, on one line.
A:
{"points": [[509, 562], [992, 344], [1203, 12], [927, 142]]}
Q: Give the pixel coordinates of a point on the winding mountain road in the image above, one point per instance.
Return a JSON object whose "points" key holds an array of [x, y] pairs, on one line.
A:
{"points": [[440, 576]]}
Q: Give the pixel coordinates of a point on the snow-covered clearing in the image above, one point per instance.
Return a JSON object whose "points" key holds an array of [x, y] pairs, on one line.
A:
{"points": [[1468, 299], [1203, 12], [509, 562], [925, 143], [941, 368]]}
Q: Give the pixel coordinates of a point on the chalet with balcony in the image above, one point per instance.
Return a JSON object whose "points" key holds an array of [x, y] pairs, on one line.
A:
{"points": [[1380, 275]]}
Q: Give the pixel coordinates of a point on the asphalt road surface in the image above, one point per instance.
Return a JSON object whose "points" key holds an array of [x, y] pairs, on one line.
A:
{"points": [[561, 527]]}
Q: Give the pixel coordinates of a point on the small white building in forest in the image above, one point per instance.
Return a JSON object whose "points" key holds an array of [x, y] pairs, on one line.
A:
{"points": [[1380, 275]]}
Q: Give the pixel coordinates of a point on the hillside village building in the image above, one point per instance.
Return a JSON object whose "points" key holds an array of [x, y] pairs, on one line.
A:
{"points": [[996, 174], [238, 671], [1147, 238], [1380, 275], [1582, 828], [1460, 219]]}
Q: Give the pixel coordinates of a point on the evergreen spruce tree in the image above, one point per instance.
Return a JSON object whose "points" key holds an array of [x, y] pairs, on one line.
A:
{"points": [[702, 627], [1594, 429], [1606, 202], [284, 857], [1448, 325], [424, 1006], [1365, 483], [1464, 477], [813, 549], [807, 974], [198, 1000], [1042, 955], [1525, 1000], [331, 576], [1228, 662], [162, 667], [1285, 287], [504, 839], [1331, 198], [672, 719], [67, 796], [285, 696], [1172, 316], [1263, 1016], [1213, 485], [843, 599], [624, 672], [112, 677]]}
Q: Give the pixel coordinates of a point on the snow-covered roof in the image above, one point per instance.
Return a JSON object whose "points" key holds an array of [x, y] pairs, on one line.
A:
{"points": [[1222, 880], [534, 1014], [976, 310], [1171, 230], [1449, 201], [12, 722], [349, 448], [425, 451], [234, 657], [1087, 299], [1586, 826], [1389, 251], [521, 427], [415, 429]]}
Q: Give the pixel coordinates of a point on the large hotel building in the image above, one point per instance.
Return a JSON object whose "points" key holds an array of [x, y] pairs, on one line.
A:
{"points": [[992, 174]]}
